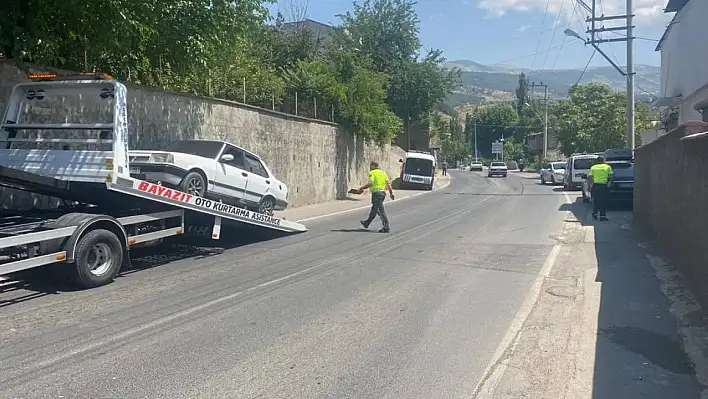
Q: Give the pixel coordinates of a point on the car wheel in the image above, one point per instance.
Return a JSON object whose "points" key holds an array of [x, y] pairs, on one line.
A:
{"points": [[267, 206], [543, 181], [553, 180], [194, 183]]}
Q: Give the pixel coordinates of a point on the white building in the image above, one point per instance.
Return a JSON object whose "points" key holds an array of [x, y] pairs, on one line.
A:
{"points": [[684, 64]]}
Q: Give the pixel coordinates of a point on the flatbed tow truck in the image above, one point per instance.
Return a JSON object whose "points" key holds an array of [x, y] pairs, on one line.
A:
{"points": [[104, 212]]}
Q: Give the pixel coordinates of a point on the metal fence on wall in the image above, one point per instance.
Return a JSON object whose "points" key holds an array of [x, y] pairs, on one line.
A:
{"points": [[291, 102]]}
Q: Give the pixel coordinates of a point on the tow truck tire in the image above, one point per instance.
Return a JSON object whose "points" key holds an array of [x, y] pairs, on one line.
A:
{"points": [[194, 183], [99, 256]]}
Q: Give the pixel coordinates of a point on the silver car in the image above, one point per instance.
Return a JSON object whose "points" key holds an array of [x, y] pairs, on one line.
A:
{"points": [[553, 173]]}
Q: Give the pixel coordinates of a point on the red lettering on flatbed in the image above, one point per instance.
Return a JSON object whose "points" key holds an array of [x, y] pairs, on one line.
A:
{"points": [[162, 191]]}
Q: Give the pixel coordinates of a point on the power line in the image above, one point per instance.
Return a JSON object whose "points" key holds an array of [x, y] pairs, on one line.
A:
{"points": [[540, 35], [553, 36], [528, 55], [636, 37], [586, 66]]}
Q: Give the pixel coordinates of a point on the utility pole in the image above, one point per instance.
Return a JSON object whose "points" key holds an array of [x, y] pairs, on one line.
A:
{"points": [[629, 38], [475, 139], [545, 117]]}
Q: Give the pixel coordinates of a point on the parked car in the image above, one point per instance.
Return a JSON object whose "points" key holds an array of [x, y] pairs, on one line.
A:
{"points": [[553, 172], [621, 188], [497, 169], [215, 170], [476, 166]]}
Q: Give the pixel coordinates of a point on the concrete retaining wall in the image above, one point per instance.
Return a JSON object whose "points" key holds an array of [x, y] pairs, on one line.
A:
{"points": [[318, 160], [671, 200]]}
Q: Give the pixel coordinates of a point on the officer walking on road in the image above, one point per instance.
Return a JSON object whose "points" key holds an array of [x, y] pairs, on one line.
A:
{"points": [[378, 185], [600, 178]]}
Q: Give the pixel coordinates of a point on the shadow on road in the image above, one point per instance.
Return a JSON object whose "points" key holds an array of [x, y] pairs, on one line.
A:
{"points": [[52, 279], [638, 351]]}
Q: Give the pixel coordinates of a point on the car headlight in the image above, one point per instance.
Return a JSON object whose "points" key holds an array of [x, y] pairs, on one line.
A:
{"points": [[162, 158]]}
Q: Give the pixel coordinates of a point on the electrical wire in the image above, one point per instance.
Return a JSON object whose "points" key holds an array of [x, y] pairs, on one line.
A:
{"points": [[553, 36], [540, 34], [586, 66]]}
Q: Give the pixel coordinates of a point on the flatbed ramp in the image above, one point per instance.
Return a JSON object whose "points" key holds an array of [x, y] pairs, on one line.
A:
{"points": [[169, 196]]}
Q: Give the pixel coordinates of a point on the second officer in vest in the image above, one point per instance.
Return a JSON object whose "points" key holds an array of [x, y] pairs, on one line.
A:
{"points": [[600, 178]]}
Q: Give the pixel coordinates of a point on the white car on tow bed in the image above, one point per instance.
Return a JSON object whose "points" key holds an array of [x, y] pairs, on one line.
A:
{"points": [[497, 168], [213, 169]]}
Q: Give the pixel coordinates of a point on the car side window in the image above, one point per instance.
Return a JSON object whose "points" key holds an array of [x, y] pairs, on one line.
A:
{"points": [[253, 165], [238, 156]]}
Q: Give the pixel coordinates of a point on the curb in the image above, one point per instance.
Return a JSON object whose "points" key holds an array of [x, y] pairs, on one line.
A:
{"points": [[368, 206]]}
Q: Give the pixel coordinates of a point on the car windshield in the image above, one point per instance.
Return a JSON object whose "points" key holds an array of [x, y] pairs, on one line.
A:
{"points": [[206, 149], [583, 163], [476, 163], [418, 166], [558, 165], [498, 164]]}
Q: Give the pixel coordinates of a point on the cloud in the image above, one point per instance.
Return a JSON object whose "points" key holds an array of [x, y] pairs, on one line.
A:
{"points": [[523, 28], [649, 13]]}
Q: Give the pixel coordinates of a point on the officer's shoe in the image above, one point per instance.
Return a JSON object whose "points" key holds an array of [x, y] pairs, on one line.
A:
{"points": [[385, 230], [363, 223]]}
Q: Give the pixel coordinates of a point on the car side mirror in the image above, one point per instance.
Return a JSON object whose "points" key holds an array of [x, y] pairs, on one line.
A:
{"points": [[584, 176], [227, 158], [400, 160]]}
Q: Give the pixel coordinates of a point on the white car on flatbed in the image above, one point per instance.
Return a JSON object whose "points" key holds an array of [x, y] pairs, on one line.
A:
{"points": [[212, 169], [497, 168]]}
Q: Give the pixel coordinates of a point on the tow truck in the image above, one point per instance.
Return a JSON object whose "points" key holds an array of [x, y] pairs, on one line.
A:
{"points": [[47, 147]]}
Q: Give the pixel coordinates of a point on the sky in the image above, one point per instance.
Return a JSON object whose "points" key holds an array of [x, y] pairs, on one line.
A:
{"points": [[522, 33]]}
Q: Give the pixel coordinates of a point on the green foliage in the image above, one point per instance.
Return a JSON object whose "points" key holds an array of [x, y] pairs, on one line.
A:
{"points": [[593, 119], [513, 149], [386, 31], [493, 122], [522, 93], [367, 78]]}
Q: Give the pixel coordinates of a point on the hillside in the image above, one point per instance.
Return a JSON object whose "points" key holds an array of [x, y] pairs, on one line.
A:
{"points": [[483, 83]]}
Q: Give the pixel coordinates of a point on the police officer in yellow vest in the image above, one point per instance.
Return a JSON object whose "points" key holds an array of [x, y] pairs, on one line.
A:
{"points": [[378, 184], [600, 179]]}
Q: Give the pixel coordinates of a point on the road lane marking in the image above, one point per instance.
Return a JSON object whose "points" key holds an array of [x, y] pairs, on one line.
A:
{"points": [[369, 206], [496, 368]]}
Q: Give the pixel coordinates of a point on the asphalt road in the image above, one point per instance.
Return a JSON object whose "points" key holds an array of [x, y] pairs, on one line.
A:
{"points": [[335, 312]]}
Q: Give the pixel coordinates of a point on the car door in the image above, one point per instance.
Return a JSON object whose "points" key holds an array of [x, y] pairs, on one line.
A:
{"points": [[258, 180], [231, 176]]}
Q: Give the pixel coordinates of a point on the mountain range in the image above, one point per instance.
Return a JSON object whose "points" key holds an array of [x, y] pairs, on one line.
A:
{"points": [[483, 83]]}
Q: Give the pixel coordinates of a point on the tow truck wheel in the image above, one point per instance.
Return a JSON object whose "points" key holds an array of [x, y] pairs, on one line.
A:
{"points": [[194, 183], [267, 206], [99, 256]]}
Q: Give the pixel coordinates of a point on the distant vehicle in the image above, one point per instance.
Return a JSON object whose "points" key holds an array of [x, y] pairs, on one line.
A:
{"points": [[497, 169], [418, 170], [476, 166], [553, 172], [213, 169], [577, 166], [621, 188]]}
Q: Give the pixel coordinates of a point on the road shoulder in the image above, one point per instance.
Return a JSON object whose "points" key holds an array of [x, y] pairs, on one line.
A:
{"points": [[601, 327]]}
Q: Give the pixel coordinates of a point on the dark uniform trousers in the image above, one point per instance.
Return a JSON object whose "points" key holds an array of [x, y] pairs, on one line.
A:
{"points": [[600, 193], [377, 208]]}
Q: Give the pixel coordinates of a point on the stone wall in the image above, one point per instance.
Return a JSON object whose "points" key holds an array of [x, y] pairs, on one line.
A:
{"points": [[318, 160], [671, 199]]}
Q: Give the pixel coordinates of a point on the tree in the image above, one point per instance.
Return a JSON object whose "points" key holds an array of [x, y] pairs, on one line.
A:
{"points": [[513, 149], [593, 119], [493, 122], [386, 31], [522, 93]]}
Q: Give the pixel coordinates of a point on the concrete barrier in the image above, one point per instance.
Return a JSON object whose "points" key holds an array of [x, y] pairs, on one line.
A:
{"points": [[671, 199]]}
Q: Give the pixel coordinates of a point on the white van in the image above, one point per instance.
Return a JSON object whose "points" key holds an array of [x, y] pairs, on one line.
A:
{"points": [[418, 169], [576, 167]]}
